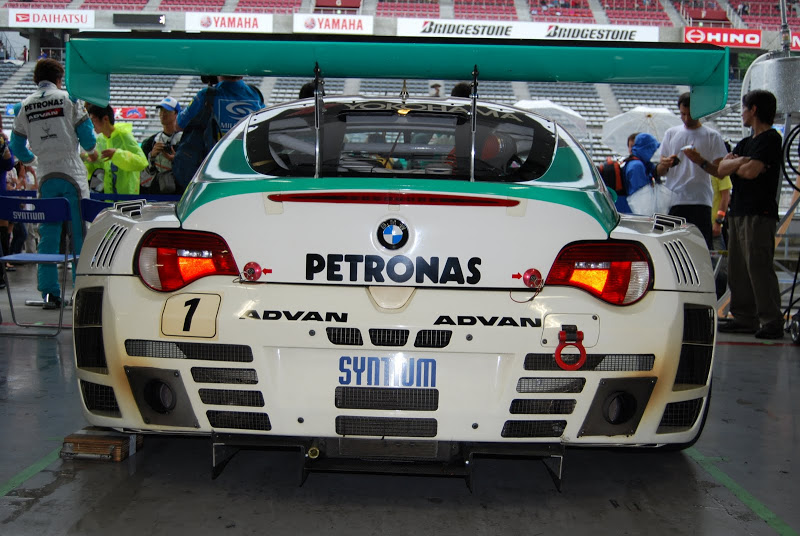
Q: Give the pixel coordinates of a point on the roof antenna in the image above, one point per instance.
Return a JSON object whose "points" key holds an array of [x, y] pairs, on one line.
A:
{"points": [[404, 93], [473, 122], [319, 92]]}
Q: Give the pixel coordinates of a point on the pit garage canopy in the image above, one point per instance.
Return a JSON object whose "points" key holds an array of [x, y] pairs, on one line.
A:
{"points": [[93, 56]]}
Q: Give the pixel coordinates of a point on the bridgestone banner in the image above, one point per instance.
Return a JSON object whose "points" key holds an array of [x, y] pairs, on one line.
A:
{"points": [[524, 30]]}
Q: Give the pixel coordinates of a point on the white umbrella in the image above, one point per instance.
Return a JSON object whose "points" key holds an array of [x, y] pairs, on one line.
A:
{"points": [[564, 116], [654, 121]]}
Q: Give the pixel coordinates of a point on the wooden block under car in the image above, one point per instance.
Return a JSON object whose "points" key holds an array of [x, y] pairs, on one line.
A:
{"points": [[100, 444]]}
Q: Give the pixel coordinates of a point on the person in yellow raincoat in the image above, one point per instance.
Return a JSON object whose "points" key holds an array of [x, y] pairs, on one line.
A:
{"points": [[121, 158]]}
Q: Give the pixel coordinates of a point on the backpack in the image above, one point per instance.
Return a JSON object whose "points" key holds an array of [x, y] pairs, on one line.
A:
{"points": [[198, 139], [613, 174]]}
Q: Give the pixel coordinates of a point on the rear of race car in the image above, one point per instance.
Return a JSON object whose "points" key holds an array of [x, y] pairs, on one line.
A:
{"points": [[391, 307]]}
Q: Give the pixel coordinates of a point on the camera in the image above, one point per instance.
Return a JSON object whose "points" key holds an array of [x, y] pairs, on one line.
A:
{"points": [[675, 161]]}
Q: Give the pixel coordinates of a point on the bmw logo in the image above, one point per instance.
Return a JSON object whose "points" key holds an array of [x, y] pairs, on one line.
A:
{"points": [[393, 234]]}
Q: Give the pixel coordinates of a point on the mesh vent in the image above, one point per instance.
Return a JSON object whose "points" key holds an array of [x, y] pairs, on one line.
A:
{"points": [[104, 254], [345, 336], [222, 375], [384, 426], [694, 365], [387, 398], [238, 420], [600, 362], [189, 350], [682, 265], [680, 416], [89, 307], [100, 399], [231, 397], [542, 407], [388, 337], [89, 349], [698, 324], [433, 338], [550, 385], [533, 428]]}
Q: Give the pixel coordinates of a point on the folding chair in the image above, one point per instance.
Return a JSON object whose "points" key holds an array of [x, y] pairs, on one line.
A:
{"points": [[49, 210]]}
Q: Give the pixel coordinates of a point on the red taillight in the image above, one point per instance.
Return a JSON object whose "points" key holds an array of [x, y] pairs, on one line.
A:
{"points": [[171, 259], [616, 272]]}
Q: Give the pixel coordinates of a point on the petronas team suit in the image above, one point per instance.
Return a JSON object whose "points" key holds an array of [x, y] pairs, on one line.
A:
{"points": [[53, 125]]}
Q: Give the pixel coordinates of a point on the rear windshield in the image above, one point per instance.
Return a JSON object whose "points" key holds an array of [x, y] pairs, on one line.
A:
{"points": [[393, 139]]}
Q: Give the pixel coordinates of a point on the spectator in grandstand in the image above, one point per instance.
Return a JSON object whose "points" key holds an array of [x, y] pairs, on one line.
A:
{"points": [[688, 174], [754, 166], [157, 177], [121, 158], [54, 125], [462, 89], [306, 91], [436, 90], [233, 100]]}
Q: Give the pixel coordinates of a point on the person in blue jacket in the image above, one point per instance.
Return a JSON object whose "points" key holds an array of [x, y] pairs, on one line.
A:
{"points": [[233, 100], [638, 170]]}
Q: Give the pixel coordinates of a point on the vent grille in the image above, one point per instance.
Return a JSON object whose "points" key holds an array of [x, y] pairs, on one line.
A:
{"points": [[387, 398], [598, 362], [345, 336], [189, 350], [104, 254], [698, 324], [238, 420], [680, 416], [550, 385], [682, 265], [89, 307], [542, 407], [433, 338], [100, 399], [90, 352], [533, 428], [694, 365], [388, 337], [385, 426], [231, 397], [222, 375]]}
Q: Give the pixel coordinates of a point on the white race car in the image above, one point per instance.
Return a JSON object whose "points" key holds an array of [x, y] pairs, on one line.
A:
{"points": [[397, 279]]}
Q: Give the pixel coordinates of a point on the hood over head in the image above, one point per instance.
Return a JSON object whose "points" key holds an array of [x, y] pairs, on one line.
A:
{"points": [[645, 146]]}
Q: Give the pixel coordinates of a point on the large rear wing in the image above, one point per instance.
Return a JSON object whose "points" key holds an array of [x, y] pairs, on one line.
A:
{"points": [[93, 56]]}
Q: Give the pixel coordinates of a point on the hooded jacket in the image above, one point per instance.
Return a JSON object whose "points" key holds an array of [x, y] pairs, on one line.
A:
{"points": [[638, 171], [121, 172]]}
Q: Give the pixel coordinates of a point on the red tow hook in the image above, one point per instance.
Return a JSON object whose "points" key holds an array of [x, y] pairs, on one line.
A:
{"points": [[570, 336]]}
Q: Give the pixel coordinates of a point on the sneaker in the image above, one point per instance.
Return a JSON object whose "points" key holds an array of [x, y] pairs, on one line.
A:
{"points": [[770, 332], [736, 327], [51, 302]]}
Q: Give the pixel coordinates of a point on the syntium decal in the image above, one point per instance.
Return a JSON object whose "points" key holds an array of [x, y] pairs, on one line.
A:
{"points": [[387, 371], [302, 316], [491, 321], [398, 269]]}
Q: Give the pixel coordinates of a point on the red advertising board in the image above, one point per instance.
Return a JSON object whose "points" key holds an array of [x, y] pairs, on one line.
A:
{"points": [[725, 37]]}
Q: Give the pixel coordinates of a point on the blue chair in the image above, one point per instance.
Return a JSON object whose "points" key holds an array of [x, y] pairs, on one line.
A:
{"points": [[90, 208], [29, 210]]}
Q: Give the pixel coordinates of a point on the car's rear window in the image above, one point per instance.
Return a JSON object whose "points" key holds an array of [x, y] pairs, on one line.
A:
{"points": [[394, 139]]}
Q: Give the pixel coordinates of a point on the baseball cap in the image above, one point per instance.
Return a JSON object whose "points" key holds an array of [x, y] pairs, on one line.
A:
{"points": [[169, 103]]}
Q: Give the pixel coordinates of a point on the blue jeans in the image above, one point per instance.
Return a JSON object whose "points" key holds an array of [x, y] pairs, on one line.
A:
{"points": [[50, 234]]}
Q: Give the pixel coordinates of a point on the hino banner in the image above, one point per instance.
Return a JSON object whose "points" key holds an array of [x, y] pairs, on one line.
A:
{"points": [[51, 18], [724, 37], [523, 30]]}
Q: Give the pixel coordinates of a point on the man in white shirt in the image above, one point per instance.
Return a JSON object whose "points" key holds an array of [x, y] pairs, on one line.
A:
{"points": [[690, 154]]}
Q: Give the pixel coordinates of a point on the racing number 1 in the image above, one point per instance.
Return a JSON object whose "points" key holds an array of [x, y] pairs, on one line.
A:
{"points": [[192, 305]]}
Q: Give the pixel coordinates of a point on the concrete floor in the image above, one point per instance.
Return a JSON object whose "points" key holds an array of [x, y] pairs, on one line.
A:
{"points": [[742, 476]]}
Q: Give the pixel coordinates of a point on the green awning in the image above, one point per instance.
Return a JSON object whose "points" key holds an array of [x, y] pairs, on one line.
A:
{"points": [[93, 56]]}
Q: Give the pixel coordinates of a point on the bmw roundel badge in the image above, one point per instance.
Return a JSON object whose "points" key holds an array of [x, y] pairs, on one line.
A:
{"points": [[393, 234]]}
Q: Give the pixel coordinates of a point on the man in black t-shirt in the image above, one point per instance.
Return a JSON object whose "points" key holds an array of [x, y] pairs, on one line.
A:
{"points": [[754, 167]]}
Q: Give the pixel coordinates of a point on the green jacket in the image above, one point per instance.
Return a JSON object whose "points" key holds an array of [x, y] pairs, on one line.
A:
{"points": [[121, 172]]}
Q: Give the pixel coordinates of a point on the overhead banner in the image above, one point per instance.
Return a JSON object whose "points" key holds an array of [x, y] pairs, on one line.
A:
{"points": [[524, 30], [333, 24], [227, 22], [724, 37], [51, 18]]}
